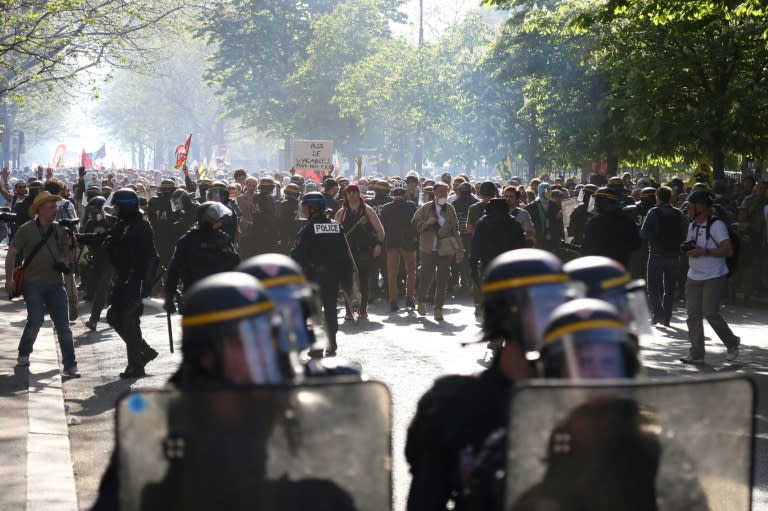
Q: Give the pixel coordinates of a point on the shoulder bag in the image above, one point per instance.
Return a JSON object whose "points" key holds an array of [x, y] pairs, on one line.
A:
{"points": [[18, 271]]}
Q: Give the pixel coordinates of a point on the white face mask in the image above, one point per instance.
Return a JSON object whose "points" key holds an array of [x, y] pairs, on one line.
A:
{"points": [[442, 202]]}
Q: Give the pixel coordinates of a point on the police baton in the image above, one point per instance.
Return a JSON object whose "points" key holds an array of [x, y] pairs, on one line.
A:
{"points": [[170, 330]]}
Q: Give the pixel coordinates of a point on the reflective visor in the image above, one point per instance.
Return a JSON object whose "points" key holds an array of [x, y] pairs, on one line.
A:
{"points": [[596, 353], [540, 301], [302, 322], [254, 358]]}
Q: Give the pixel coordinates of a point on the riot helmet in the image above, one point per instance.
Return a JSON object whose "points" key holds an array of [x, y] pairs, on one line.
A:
{"points": [[218, 192], [91, 192], [209, 213], [607, 280], [520, 289], [701, 197], [292, 191], [180, 200], [167, 186], [313, 205], [585, 194], [380, 188], [124, 203], [229, 333], [588, 338], [605, 200], [296, 300], [648, 196], [94, 209], [266, 185]]}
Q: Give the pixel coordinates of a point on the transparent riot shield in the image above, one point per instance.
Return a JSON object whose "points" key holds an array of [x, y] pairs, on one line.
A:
{"points": [[637, 446], [315, 446], [568, 206]]}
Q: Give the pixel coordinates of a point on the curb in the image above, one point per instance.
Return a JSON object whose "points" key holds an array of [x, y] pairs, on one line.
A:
{"points": [[50, 472]]}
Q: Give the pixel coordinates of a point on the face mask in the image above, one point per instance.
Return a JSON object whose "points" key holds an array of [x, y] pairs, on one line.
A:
{"points": [[442, 202]]}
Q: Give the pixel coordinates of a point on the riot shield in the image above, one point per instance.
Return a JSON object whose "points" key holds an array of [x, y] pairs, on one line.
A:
{"points": [[568, 206], [631, 445], [315, 446]]}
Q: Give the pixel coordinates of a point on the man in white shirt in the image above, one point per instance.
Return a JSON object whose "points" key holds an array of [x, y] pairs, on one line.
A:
{"points": [[709, 246]]}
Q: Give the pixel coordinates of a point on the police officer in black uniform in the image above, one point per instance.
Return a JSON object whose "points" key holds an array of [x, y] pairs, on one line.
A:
{"points": [[185, 206], [321, 249], [454, 418], [638, 261], [288, 223], [204, 250], [131, 251], [161, 215], [610, 233], [580, 215], [218, 192], [98, 272], [266, 236]]}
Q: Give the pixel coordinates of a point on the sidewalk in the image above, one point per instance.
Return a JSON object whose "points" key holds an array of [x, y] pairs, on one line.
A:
{"points": [[37, 471]]}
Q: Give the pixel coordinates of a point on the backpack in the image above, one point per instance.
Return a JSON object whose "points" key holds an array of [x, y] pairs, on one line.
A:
{"points": [[671, 233], [731, 262]]}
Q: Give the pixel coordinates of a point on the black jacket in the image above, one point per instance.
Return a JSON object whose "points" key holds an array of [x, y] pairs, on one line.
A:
{"points": [[199, 254], [322, 251], [494, 234], [611, 234]]}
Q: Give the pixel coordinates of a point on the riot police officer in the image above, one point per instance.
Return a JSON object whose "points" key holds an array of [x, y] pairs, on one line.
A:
{"points": [[98, 271], [185, 207], [321, 249], [204, 250], [580, 215], [161, 216], [266, 236], [218, 192], [610, 233], [288, 223], [131, 251], [453, 419], [298, 305]]}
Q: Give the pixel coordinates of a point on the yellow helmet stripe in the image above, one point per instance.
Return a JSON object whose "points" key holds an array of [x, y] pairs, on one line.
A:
{"points": [[583, 325], [616, 281], [226, 315], [532, 280], [282, 280]]}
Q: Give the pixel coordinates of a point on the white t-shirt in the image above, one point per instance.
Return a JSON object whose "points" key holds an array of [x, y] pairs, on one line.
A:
{"points": [[707, 267]]}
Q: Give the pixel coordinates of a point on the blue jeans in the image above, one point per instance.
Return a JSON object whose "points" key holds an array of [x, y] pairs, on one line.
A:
{"points": [[39, 298], [663, 275]]}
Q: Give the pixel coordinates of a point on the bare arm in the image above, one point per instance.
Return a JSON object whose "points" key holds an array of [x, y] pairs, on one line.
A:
{"points": [[375, 222], [10, 260]]}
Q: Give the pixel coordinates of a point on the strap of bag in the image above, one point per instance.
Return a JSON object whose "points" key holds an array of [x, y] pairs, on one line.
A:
{"points": [[37, 248], [360, 221]]}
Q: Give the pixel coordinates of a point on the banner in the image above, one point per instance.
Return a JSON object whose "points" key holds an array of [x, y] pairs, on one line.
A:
{"points": [[182, 152], [313, 159], [85, 160], [57, 160]]}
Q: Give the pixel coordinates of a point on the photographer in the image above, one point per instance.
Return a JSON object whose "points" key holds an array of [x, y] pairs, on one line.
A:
{"points": [[707, 245], [45, 247]]}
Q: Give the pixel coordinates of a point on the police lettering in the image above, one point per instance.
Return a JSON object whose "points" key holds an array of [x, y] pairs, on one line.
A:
{"points": [[327, 229]]}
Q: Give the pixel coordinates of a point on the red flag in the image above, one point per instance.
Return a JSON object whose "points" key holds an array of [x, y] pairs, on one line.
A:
{"points": [[182, 152], [85, 160]]}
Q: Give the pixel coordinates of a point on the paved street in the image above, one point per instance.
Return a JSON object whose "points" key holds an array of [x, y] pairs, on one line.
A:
{"points": [[403, 350]]}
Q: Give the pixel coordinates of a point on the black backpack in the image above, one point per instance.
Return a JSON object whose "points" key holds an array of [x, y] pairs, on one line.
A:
{"points": [[671, 232], [731, 262]]}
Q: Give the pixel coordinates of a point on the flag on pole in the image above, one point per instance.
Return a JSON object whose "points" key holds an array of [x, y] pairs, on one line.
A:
{"points": [[182, 152], [85, 160], [101, 153], [58, 156]]}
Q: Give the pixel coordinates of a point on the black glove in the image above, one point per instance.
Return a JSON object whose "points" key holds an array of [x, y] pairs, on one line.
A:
{"points": [[81, 171], [169, 305]]}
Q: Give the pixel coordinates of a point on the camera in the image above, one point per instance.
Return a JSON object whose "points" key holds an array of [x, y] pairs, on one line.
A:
{"points": [[687, 246], [6, 215], [93, 238], [61, 267]]}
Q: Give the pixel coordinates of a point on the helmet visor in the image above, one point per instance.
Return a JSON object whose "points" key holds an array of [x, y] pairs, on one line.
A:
{"points": [[632, 303], [597, 353], [539, 302], [217, 194], [300, 313], [255, 357]]}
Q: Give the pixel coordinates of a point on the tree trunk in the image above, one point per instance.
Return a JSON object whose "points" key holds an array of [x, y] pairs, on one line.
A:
{"points": [[6, 123], [718, 163], [611, 165]]}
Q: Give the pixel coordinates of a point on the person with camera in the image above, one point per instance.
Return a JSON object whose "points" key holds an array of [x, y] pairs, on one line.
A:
{"points": [[707, 246], [45, 247]]}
